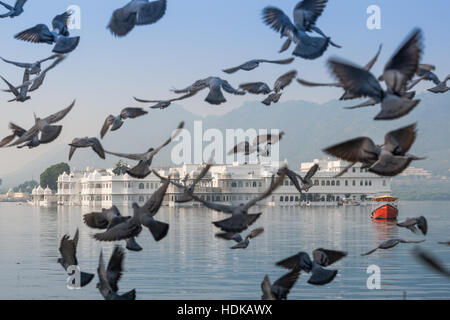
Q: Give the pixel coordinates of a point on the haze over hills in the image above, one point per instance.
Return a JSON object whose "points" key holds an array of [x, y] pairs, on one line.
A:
{"points": [[309, 128]]}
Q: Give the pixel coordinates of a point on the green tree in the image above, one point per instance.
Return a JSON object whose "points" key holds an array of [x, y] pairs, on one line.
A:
{"points": [[121, 168], [50, 176], [27, 186]]}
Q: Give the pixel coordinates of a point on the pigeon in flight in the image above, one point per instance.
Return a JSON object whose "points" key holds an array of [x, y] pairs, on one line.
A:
{"points": [[68, 250], [445, 243], [109, 277], [240, 219], [241, 243], [388, 244], [142, 169], [347, 94], [388, 160], [274, 94], [22, 94], [412, 223], [44, 127], [305, 183], [253, 64], [115, 122], [398, 71], [215, 85], [430, 261], [33, 68], [60, 35], [15, 11], [247, 149], [306, 14], [106, 219], [425, 72], [162, 104], [86, 142], [280, 289], [136, 13]]}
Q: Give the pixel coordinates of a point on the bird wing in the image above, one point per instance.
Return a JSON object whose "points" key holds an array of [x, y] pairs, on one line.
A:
{"points": [[255, 232], [293, 177], [120, 231], [285, 80], [123, 20], [283, 61], [213, 206], [355, 79], [278, 21], [429, 260], [154, 203], [407, 57], [103, 284], [174, 135], [316, 84], [115, 267], [288, 280], [371, 63], [241, 147], [402, 138], [100, 220], [18, 64], [197, 86], [37, 34], [201, 175], [228, 88], [27, 136], [255, 87], [151, 12], [106, 125], [11, 87], [268, 192], [131, 156], [60, 114], [61, 23], [355, 150], [68, 249], [368, 103], [333, 255], [410, 241], [311, 172], [132, 113], [50, 58], [306, 12], [19, 4], [266, 288]]}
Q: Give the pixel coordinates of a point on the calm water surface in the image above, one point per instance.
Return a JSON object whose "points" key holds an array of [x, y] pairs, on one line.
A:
{"points": [[190, 263]]}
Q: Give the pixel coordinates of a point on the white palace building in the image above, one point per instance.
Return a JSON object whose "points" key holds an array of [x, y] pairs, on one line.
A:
{"points": [[231, 184]]}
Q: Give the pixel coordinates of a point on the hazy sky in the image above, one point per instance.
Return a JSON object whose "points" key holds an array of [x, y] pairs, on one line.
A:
{"points": [[195, 39]]}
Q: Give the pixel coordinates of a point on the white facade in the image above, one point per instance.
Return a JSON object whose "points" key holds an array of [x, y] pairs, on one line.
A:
{"points": [[224, 183]]}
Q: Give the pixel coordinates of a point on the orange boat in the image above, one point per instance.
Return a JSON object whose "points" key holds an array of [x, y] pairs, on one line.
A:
{"points": [[385, 207]]}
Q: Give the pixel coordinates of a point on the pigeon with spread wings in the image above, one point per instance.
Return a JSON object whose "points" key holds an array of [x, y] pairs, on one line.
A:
{"points": [[241, 243], [116, 122], [162, 104], [142, 169], [253, 64], [305, 183], [388, 244], [280, 289], [33, 68], [414, 223], [15, 11], [86, 142]]}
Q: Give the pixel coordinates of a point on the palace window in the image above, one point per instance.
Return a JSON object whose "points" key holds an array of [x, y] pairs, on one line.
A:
{"points": [[332, 183], [323, 182], [328, 182], [316, 182], [338, 183], [281, 198], [141, 186], [354, 183]]}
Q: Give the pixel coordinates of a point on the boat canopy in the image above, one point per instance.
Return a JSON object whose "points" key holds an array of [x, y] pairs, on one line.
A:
{"points": [[386, 198]]}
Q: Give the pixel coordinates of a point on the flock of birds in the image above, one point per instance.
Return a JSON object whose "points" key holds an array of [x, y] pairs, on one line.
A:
{"points": [[401, 73]]}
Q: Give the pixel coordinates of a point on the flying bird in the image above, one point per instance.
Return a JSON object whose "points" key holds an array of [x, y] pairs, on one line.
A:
{"points": [[22, 94], [247, 149], [109, 277], [305, 183], [445, 243], [162, 104], [108, 218], [241, 243], [274, 94], [430, 261], [44, 128], [16, 132], [215, 85], [60, 35], [347, 94], [142, 169], [387, 160], [240, 219], [397, 72], [306, 14], [136, 13], [33, 68], [15, 11], [86, 142], [425, 72], [68, 250], [115, 122], [388, 244], [412, 223], [253, 64], [280, 289], [321, 258]]}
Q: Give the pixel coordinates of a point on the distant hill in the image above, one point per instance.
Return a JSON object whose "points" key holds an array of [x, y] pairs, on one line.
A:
{"points": [[309, 128]]}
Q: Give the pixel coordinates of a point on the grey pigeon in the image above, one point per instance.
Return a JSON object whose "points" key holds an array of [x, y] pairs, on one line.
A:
{"points": [[68, 250], [430, 261], [387, 160], [215, 85], [15, 11], [162, 104], [412, 223], [425, 72], [253, 64], [274, 93], [115, 122], [302, 260], [240, 219], [306, 14], [247, 149], [305, 183], [136, 13], [33, 68], [86, 142], [59, 36], [142, 169], [280, 289], [398, 71], [388, 244], [347, 94], [241, 243], [109, 277], [48, 132], [106, 219]]}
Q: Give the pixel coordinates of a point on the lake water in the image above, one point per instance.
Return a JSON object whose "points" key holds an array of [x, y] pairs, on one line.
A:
{"points": [[190, 263]]}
